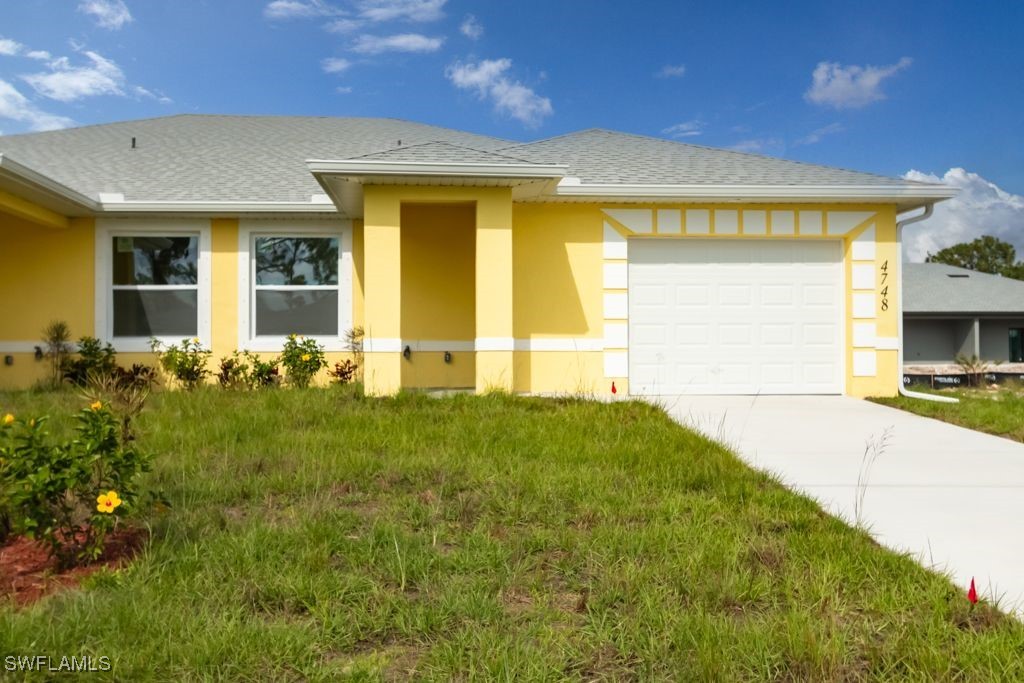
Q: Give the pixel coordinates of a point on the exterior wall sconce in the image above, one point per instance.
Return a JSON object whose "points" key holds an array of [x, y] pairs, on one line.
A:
{"points": [[39, 353], [447, 356], [8, 360], [406, 352]]}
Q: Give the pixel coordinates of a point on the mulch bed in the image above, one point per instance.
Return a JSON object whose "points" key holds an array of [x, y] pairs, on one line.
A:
{"points": [[28, 573]]}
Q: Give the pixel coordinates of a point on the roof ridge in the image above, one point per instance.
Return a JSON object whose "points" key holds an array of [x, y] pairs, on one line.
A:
{"points": [[448, 144]]}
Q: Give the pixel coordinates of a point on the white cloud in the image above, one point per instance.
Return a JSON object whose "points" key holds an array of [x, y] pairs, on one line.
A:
{"points": [[112, 14], [758, 145], [67, 83], [849, 87], [816, 136], [401, 10], [471, 27], [10, 48], [39, 54], [402, 42], [686, 129], [672, 71], [299, 9], [16, 107], [145, 92], [510, 98], [335, 65], [343, 89], [344, 25], [981, 208]]}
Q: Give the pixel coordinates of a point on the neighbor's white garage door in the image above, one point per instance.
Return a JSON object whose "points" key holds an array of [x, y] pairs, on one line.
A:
{"points": [[735, 316]]}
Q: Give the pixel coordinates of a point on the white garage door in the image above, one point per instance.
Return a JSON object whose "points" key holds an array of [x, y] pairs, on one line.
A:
{"points": [[735, 316]]}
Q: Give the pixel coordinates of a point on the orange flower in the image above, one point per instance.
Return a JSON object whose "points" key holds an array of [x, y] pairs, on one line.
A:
{"points": [[107, 502], [95, 405]]}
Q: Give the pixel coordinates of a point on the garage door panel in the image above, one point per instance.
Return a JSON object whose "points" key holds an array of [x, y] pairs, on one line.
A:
{"points": [[735, 317]]}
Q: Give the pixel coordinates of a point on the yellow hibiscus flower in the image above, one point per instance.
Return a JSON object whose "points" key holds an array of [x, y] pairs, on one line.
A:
{"points": [[107, 502], [95, 405], [8, 419], [306, 357]]}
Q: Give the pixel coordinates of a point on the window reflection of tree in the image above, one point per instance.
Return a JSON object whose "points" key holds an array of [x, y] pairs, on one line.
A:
{"points": [[165, 261], [286, 256]]}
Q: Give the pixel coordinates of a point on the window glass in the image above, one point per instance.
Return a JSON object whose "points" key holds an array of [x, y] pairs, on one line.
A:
{"points": [[307, 312], [307, 261], [148, 313], [155, 260]]}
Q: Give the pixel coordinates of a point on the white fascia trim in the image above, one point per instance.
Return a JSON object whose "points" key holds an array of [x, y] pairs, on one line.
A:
{"points": [[103, 301], [37, 180], [420, 168], [134, 206], [761, 192]]}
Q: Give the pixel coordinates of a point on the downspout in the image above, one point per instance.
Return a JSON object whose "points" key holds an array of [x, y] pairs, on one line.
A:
{"points": [[899, 307]]}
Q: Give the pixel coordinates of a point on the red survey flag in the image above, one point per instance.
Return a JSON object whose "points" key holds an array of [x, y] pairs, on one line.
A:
{"points": [[614, 390], [972, 593]]}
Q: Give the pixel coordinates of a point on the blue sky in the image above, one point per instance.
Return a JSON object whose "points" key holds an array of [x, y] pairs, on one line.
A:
{"points": [[887, 87]]}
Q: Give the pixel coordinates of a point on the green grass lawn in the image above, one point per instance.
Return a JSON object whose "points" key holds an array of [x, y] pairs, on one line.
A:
{"points": [[996, 412], [316, 535]]}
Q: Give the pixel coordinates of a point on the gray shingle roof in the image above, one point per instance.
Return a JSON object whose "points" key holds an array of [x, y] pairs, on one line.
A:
{"points": [[928, 288], [262, 158], [605, 156], [215, 158]]}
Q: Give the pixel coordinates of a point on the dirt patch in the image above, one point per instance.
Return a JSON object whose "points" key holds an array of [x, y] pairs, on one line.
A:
{"points": [[28, 573]]}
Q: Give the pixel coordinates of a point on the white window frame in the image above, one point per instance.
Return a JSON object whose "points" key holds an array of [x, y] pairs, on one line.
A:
{"points": [[106, 230], [248, 231]]}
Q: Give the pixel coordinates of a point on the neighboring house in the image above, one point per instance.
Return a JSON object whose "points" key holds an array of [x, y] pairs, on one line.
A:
{"points": [[950, 311], [563, 265]]}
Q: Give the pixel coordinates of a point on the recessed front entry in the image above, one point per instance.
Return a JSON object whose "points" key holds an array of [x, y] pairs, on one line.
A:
{"points": [[713, 316]]}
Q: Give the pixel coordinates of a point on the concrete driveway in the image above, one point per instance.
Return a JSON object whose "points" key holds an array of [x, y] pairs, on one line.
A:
{"points": [[951, 497]]}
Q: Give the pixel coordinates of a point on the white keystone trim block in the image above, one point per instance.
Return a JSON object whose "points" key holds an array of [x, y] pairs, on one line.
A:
{"points": [[616, 306], [863, 248], [863, 276], [614, 243], [864, 335], [616, 335], [615, 275], [863, 305]]}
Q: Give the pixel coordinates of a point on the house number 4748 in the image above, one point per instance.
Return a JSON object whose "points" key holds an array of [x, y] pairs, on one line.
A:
{"points": [[884, 293]]}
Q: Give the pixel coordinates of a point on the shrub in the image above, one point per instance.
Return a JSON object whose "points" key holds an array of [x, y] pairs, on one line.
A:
{"points": [[354, 343], [185, 362], [246, 370], [69, 494], [94, 358], [302, 359], [56, 348], [343, 372]]}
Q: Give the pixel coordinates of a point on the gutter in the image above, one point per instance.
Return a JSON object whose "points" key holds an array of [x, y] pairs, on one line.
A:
{"points": [[928, 209]]}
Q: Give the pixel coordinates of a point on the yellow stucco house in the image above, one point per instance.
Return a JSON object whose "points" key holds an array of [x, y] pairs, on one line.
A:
{"points": [[564, 265]]}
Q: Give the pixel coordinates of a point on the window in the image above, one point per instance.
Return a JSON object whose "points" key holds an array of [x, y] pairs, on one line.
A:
{"points": [[152, 280], [155, 285], [295, 279], [1016, 345], [296, 286]]}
